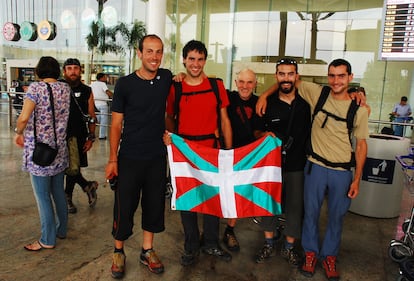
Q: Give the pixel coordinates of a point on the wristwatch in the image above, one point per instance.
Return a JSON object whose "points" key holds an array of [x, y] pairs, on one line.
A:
{"points": [[18, 132], [91, 137]]}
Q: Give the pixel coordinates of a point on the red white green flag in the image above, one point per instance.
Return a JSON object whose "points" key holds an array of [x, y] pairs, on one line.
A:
{"points": [[236, 183]]}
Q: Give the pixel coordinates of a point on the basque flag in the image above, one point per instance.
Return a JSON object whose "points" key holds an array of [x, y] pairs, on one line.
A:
{"points": [[237, 183]]}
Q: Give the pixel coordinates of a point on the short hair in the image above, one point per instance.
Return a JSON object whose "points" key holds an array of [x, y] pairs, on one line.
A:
{"points": [[195, 45], [47, 67], [152, 36], [287, 61], [339, 62], [404, 98], [100, 75]]}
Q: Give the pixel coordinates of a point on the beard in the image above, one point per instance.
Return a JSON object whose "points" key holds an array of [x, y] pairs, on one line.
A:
{"points": [[73, 81], [286, 90]]}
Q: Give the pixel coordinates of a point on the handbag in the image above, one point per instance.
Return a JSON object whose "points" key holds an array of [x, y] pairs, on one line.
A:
{"points": [[74, 162], [44, 154]]}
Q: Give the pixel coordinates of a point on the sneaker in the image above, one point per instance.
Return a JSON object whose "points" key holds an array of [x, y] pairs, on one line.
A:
{"points": [[217, 252], [118, 265], [91, 192], [266, 252], [189, 258], [290, 255], [151, 260], [71, 207], [230, 241], [308, 267], [329, 264]]}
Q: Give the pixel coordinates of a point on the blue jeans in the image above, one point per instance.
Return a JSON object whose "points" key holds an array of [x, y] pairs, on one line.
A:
{"points": [[45, 190], [398, 129], [321, 181], [102, 117]]}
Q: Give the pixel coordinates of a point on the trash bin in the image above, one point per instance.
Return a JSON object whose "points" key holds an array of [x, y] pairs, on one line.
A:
{"points": [[380, 189]]}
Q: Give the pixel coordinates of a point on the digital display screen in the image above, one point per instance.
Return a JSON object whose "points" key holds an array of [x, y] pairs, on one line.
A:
{"points": [[397, 36]]}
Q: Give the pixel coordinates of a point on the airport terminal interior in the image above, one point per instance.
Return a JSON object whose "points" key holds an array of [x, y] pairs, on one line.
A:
{"points": [[375, 36]]}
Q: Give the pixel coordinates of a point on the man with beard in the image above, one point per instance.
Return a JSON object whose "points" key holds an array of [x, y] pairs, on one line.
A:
{"points": [[333, 167], [81, 124], [288, 118], [139, 160]]}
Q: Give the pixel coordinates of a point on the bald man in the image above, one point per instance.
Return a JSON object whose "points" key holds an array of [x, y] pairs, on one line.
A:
{"points": [[240, 112]]}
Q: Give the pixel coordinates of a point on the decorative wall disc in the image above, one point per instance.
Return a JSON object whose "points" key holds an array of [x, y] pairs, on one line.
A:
{"points": [[46, 30], [28, 31], [11, 31]]}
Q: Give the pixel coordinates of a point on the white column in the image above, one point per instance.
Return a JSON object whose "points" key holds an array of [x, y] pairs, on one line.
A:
{"points": [[156, 13]]}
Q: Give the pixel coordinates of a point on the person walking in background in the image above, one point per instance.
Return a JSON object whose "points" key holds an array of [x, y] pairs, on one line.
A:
{"points": [[240, 111], [81, 124], [288, 118], [101, 93], [401, 112], [139, 160], [199, 114], [47, 181]]}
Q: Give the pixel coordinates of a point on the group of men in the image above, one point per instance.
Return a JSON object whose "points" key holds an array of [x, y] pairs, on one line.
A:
{"points": [[147, 105]]}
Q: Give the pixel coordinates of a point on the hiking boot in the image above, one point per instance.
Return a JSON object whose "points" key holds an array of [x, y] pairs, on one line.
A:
{"points": [[329, 264], [189, 258], [71, 207], [230, 241], [217, 252], [118, 265], [151, 260], [308, 267], [90, 190], [266, 252], [290, 255]]}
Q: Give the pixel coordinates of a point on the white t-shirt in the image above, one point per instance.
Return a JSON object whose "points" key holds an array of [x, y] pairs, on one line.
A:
{"points": [[99, 92]]}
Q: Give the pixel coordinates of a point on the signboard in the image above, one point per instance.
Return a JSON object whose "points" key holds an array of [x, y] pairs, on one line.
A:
{"points": [[378, 170], [397, 34]]}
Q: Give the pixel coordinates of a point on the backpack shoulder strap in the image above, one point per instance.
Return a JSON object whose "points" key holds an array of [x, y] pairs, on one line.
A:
{"points": [[321, 101], [178, 89], [214, 86]]}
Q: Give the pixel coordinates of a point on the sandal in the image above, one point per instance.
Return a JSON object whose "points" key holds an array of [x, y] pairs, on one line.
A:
{"points": [[37, 246]]}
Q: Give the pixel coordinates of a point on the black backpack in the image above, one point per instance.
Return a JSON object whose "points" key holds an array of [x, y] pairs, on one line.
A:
{"points": [[353, 107], [179, 93]]}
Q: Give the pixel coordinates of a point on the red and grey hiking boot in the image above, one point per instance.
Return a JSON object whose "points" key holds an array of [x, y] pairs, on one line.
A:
{"points": [[308, 267], [329, 264], [118, 265], [151, 260]]}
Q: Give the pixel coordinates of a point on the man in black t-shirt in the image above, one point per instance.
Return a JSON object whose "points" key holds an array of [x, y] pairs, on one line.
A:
{"points": [[288, 118], [240, 111], [81, 124]]}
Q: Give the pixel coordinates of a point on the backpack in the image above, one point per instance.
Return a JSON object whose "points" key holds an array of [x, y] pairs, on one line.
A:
{"points": [[179, 93], [353, 107]]}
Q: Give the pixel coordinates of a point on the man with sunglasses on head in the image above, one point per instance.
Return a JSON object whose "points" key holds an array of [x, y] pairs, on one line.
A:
{"points": [[81, 124], [288, 118], [333, 168]]}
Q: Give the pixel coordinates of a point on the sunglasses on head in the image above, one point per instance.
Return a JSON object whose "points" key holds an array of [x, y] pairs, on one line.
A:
{"points": [[286, 61]]}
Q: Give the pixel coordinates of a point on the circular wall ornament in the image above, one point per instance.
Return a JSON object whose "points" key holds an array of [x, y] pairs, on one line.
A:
{"points": [[11, 31], [28, 31], [46, 30]]}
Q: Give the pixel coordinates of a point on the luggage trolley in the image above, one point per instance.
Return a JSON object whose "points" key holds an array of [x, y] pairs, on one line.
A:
{"points": [[402, 250]]}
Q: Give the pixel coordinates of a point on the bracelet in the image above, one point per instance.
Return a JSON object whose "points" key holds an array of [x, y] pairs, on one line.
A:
{"points": [[112, 161], [91, 137], [17, 131]]}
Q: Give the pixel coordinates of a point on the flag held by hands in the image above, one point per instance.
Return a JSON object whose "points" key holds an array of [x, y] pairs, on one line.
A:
{"points": [[236, 183]]}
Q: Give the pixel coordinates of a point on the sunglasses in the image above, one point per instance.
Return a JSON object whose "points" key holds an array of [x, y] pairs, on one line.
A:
{"points": [[286, 61]]}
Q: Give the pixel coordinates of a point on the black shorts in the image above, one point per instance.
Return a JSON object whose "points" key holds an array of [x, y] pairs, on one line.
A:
{"points": [[137, 180]]}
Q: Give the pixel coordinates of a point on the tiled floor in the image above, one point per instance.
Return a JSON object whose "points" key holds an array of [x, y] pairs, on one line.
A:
{"points": [[86, 253]]}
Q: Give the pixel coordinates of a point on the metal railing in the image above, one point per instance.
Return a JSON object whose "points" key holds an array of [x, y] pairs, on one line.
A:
{"points": [[10, 108]]}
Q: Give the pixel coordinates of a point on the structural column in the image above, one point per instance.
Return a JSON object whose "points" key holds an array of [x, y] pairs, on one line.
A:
{"points": [[156, 14]]}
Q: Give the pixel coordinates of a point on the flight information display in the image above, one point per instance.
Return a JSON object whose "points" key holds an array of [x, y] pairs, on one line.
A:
{"points": [[397, 37]]}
